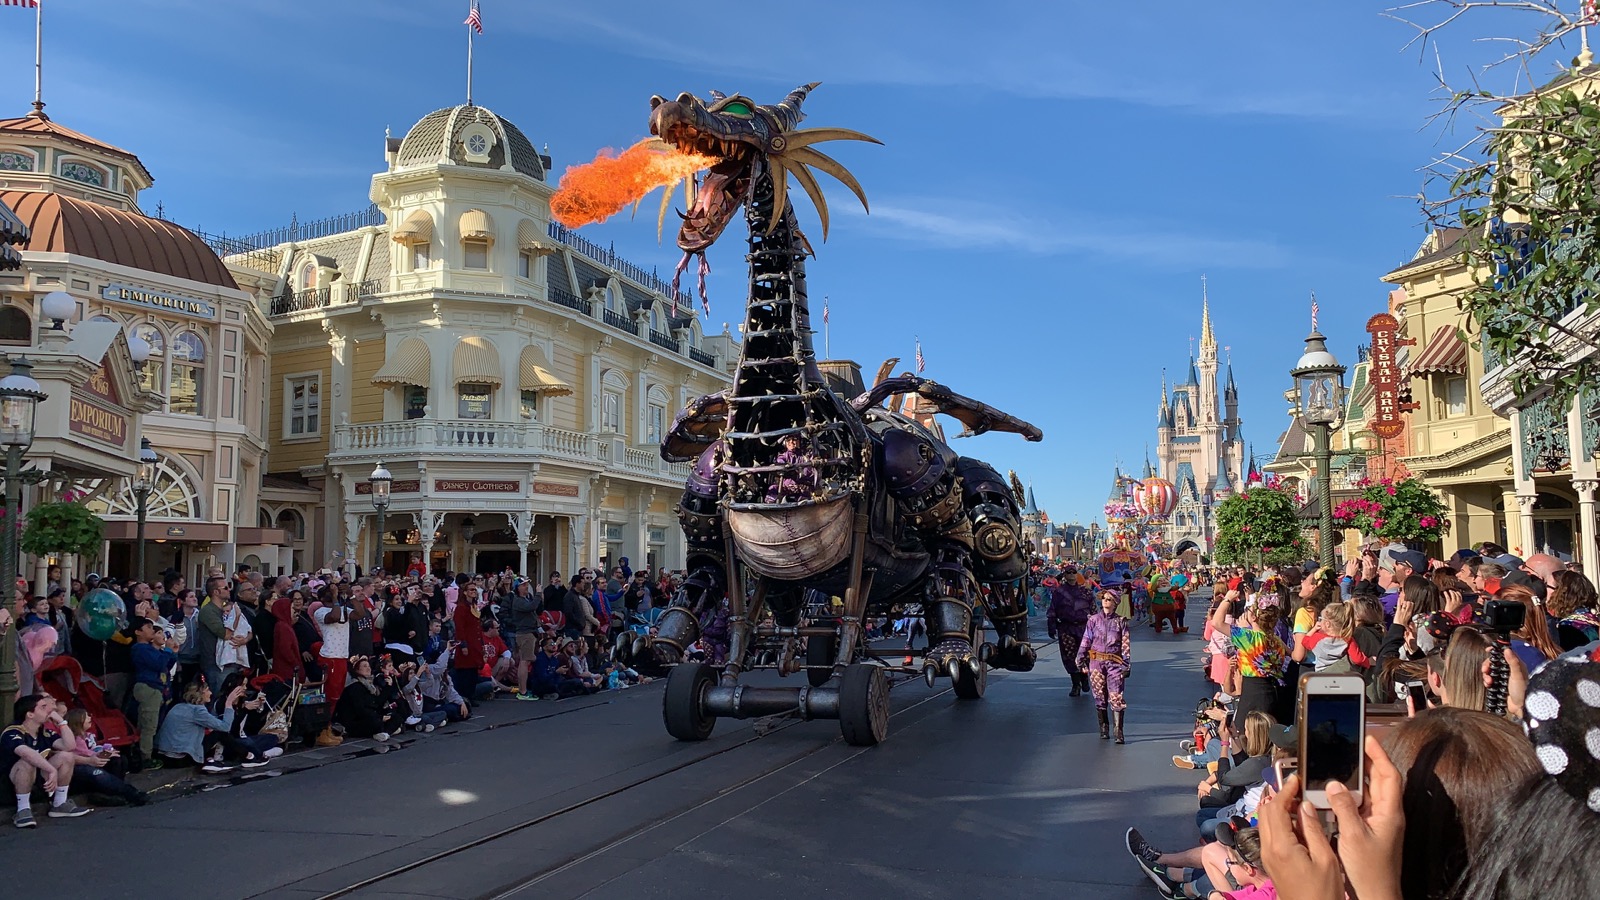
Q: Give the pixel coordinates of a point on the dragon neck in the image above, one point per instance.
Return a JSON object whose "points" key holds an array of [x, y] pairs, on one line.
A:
{"points": [[777, 281]]}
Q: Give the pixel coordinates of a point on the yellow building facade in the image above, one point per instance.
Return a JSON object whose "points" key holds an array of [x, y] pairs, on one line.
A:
{"points": [[514, 377], [1457, 443]]}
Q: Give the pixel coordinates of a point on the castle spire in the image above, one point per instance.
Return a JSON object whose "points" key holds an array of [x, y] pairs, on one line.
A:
{"points": [[1208, 341]]}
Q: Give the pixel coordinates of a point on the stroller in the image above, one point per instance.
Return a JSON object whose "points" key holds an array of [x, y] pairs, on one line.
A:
{"points": [[63, 678]]}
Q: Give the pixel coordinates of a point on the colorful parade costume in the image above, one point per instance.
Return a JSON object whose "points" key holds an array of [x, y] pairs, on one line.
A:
{"points": [[1106, 651], [1071, 604]]}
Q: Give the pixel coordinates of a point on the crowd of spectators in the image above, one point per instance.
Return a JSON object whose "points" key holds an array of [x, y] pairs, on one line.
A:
{"points": [[231, 673], [1480, 777]]}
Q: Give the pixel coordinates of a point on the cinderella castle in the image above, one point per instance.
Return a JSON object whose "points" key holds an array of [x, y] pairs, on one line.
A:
{"points": [[1199, 444]]}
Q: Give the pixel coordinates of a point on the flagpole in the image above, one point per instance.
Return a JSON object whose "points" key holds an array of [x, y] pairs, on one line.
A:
{"points": [[827, 350], [38, 58], [470, 5]]}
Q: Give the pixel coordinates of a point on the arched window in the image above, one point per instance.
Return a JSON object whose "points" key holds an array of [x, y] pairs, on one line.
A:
{"points": [[613, 393], [16, 161], [308, 276], [613, 300], [291, 521], [86, 173], [153, 377], [655, 419], [15, 326], [172, 496], [655, 317], [264, 518], [188, 375]]}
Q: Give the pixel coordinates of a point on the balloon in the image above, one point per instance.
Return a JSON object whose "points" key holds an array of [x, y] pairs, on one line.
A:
{"points": [[100, 612]]}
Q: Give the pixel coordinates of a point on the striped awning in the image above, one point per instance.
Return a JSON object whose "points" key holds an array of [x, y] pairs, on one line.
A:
{"points": [[1445, 353], [476, 362], [410, 364], [477, 226], [529, 236], [536, 377], [416, 229]]}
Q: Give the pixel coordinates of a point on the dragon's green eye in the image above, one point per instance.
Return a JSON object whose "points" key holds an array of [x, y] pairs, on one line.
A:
{"points": [[738, 108]]}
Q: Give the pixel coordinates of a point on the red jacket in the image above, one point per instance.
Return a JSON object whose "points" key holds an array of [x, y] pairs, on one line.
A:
{"points": [[469, 634]]}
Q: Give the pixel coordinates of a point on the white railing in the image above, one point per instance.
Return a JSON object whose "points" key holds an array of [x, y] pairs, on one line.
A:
{"points": [[477, 439]]}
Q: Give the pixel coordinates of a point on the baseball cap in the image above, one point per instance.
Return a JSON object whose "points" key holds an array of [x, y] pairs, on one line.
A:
{"points": [[1508, 561], [1398, 553], [1285, 737], [1460, 557]]}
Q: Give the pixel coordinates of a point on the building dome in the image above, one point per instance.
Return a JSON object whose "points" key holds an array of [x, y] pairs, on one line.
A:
{"points": [[469, 136]]}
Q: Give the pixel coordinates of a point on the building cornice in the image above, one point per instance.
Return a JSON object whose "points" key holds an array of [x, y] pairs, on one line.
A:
{"points": [[1472, 450]]}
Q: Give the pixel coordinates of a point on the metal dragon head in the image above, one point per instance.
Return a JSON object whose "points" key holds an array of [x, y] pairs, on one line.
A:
{"points": [[745, 140]]}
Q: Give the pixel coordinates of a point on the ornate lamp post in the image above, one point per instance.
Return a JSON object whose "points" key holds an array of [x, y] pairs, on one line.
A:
{"points": [[381, 481], [1320, 380], [144, 478], [19, 401], [469, 528]]}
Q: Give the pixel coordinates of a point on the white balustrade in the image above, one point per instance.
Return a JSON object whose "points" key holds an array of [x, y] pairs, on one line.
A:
{"points": [[471, 438]]}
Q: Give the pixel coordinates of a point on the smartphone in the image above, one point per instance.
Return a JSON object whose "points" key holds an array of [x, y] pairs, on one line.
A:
{"points": [[1333, 726], [1418, 694], [1281, 770]]}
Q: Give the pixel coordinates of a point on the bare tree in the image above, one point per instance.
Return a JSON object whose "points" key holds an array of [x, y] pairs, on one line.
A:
{"points": [[1521, 182]]}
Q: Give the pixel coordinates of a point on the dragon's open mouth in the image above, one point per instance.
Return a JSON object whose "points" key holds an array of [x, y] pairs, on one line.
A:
{"points": [[689, 139]]}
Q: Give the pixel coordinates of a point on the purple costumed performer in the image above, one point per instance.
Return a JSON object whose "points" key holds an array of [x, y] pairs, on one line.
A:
{"points": [[1108, 652], [1071, 603]]}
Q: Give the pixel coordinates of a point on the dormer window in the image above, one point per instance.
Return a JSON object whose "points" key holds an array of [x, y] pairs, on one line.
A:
{"points": [[82, 172]]}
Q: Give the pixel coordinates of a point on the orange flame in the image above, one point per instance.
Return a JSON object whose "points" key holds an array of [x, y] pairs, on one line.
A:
{"points": [[598, 190]]}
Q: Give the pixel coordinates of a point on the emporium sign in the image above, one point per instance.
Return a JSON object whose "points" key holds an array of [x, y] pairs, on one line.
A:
{"points": [[99, 421], [122, 293], [1384, 376]]}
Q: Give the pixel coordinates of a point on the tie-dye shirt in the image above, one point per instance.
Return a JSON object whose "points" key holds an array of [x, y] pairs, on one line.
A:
{"points": [[1260, 655]]}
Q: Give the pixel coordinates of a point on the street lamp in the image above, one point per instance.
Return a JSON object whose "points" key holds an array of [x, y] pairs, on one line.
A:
{"points": [[381, 481], [19, 401], [144, 478], [1320, 381]]}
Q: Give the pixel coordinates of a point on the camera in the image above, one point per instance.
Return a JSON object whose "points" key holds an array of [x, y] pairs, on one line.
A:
{"points": [[1504, 616]]}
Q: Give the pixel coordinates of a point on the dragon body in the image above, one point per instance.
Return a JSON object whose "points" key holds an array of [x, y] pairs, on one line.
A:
{"points": [[798, 494]]}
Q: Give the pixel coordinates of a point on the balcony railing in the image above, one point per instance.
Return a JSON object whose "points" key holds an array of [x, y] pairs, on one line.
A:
{"points": [[323, 297], [469, 439], [702, 357], [557, 295], [607, 256], [661, 340], [619, 321]]}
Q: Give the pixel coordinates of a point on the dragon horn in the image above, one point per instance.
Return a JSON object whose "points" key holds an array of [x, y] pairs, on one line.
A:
{"points": [[817, 135], [813, 190], [780, 195], [788, 112], [816, 159]]}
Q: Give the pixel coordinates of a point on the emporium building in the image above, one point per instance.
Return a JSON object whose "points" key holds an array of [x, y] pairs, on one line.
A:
{"points": [[515, 378]]}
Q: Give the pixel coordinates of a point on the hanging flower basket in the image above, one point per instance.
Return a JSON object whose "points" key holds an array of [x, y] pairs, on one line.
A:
{"points": [[64, 527], [1405, 510]]}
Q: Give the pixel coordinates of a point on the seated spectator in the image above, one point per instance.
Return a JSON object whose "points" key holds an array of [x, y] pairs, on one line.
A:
{"points": [[575, 655], [365, 709], [496, 660], [1234, 860], [191, 731], [408, 679], [89, 772], [1220, 791], [39, 759], [438, 689], [551, 678]]}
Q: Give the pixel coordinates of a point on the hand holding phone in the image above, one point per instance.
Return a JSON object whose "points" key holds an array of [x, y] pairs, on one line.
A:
{"points": [[1332, 725]]}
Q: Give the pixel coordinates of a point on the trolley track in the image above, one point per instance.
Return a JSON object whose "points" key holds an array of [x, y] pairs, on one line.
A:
{"points": [[379, 883]]}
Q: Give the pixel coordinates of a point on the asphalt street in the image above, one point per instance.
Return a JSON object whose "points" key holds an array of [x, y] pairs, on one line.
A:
{"points": [[1012, 795]]}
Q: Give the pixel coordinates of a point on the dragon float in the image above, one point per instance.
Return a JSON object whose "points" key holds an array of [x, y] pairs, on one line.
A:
{"points": [[798, 494]]}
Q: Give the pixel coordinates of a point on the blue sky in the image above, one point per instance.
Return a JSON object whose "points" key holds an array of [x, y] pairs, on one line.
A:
{"points": [[1055, 177]]}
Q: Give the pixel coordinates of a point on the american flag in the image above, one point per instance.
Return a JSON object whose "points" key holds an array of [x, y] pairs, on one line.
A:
{"points": [[921, 363], [31, 4], [1313, 312], [824, 310], [1591, 12], [473, 19]]}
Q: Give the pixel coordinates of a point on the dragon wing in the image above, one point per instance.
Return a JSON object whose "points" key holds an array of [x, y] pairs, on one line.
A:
{"points": [[978, 417]]}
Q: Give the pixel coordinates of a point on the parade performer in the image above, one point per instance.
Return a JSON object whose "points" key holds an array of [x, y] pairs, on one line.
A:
{"points": [[1106, 651], [1164, 606], [1071, 604]]}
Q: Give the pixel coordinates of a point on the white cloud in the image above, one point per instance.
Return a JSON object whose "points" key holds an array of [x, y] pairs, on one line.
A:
{"points": [[1062, 234]]}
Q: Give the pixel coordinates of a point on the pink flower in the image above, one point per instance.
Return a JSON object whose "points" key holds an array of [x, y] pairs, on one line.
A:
{"points": [[1391, 490], [1429, 521], [1377, 524]]}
